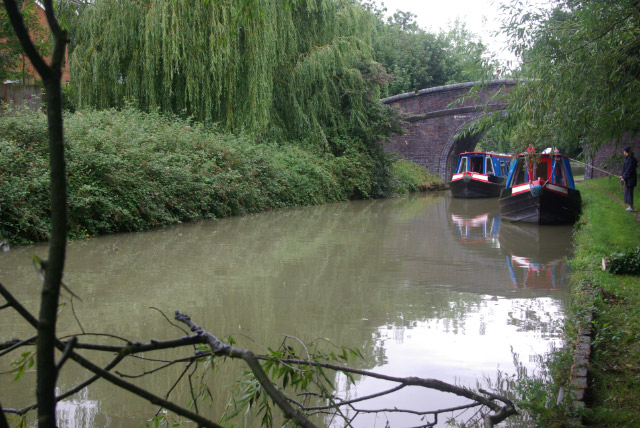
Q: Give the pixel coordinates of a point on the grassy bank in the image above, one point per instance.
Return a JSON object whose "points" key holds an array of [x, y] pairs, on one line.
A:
{"points": [[605, 228], [131, 171], [613, 398]]}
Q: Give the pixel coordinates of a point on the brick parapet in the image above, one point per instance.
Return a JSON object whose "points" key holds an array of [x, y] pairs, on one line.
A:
{"points": [[434, 121]]}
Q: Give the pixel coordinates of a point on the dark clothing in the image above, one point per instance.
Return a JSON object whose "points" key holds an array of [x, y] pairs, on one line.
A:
{"points": [[630, 177], [629, 171], [628, 195]]}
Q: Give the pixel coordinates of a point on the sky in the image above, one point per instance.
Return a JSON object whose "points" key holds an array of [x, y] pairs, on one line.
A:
{"points": [[482, 17]]}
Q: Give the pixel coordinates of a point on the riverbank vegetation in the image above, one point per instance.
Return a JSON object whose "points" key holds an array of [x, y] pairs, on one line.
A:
{"points": [[225, 109], [605, 229], [130, 171], [611, 400]]}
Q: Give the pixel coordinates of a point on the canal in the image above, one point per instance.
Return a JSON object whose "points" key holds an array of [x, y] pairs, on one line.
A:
{"points": [[424, 285]]}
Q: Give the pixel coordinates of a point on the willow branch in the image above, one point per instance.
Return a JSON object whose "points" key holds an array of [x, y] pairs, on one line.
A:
{"points": [[220, 348], [355, 400], [438, 385]]}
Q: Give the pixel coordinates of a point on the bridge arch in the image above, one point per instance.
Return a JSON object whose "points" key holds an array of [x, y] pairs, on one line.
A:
{"points": [[435, 127]]}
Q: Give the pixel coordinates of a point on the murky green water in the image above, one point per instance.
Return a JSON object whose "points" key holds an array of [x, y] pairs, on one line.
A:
{"points": [[425, 286]]}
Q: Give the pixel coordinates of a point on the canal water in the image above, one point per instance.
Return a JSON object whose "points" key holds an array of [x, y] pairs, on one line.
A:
{"points": [[426, 286]]}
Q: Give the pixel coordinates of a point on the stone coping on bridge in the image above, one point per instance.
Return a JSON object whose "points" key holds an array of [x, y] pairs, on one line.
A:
{"points": [[453, 87]]}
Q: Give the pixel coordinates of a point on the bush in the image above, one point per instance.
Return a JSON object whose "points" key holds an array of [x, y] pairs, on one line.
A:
{"points": [[410, 177], [130, 171], [625, 263]]}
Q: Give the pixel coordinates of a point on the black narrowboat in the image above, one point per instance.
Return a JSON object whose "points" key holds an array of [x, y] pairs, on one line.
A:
{"points": [[479, 175], [540, 189]]}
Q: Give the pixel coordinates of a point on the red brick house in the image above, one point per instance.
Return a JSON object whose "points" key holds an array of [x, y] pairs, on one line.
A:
{"points": [[27, 88]]}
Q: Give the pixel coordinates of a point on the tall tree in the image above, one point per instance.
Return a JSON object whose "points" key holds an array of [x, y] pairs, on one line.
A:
{"points": [[419, 59], [51, 74], [581, 61]]}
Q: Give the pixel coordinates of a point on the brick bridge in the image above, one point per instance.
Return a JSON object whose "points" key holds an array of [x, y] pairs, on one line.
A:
{"points": [[435, 126]]}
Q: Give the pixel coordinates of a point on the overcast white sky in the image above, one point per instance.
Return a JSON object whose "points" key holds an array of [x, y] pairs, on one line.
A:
{"points": [[481, 16]]}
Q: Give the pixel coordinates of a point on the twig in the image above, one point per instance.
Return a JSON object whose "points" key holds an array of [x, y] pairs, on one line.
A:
{"points": [[5, 306], [148, 372], [193, 397], [65, 354], [169, 320], [355, 400], [166, 397], [73, 311], [17, 344]]}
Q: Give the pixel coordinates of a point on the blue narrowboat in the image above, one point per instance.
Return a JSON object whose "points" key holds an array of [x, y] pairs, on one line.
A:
{"points": [[540, 189], [479, 175]]}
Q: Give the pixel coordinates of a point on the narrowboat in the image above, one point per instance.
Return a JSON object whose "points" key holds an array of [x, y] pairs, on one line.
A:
{"points": [[479, 175], [540, 189]]}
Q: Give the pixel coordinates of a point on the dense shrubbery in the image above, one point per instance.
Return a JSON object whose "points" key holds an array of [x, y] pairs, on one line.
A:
{"points": [[625, 263], [129, 171]]}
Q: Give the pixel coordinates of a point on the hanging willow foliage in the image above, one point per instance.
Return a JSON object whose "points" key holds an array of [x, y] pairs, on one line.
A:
{"points": [[299, 69]]}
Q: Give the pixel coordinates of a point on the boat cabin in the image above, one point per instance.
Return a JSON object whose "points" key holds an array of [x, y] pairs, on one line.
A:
{"points": [[483, 163], [541, 169]]}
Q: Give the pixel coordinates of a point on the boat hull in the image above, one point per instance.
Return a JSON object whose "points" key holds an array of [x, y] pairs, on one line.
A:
{"points": [[472, 188], [546, 207]]}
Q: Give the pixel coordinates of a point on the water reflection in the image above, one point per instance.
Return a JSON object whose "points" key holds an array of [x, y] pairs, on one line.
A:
{"points": [[421, 285]]}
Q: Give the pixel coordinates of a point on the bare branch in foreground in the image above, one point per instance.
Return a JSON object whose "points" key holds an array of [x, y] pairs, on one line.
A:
{"points": [[220, 348], [65, 354], [14, 344], [3, 419]]}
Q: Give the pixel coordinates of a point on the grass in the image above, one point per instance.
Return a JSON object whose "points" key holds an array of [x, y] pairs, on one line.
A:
{"points": [[613, 397], [606, 228]]}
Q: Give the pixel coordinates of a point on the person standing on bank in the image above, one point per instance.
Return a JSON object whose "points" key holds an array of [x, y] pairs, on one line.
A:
{"points": [[629, 176]]}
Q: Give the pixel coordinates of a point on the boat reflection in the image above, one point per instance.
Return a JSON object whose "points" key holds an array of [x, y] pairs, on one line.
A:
{"points": [[476, 223], [534, 255]]}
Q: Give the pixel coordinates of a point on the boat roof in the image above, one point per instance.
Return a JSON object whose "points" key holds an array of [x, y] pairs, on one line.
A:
{"points": [[502, 155]]}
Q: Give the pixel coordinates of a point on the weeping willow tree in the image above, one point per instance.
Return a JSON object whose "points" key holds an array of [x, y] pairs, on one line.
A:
{"points": [[287, 69]]}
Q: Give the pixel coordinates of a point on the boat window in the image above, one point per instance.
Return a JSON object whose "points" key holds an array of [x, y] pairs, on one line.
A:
{"points": [[518, 174], [560, 174], [463, 165], [488, 166], [503, 168], [475, 164], [541, 171]]}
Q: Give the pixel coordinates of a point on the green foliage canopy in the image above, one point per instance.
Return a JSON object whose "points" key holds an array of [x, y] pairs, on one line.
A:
{"points": [[582, 65], [300, 69], [419, 59]]}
